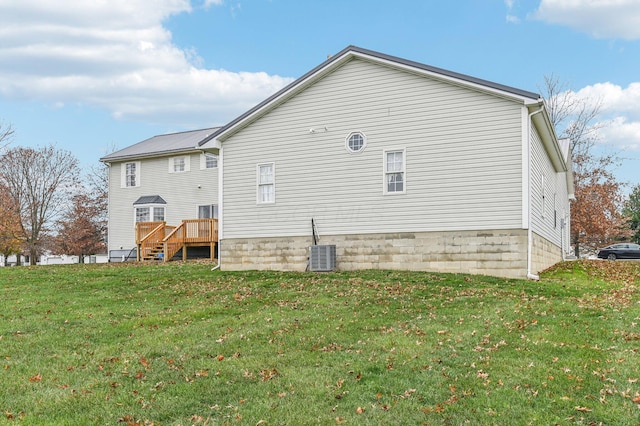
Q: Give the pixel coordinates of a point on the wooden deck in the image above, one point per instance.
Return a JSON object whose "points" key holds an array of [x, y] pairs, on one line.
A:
{"points": [[159, 241]]}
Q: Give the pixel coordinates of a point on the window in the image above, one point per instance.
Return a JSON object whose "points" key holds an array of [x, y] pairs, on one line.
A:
{"points": [[142, 214], [208, 161], [130, 174], [394, 172], [158, 214], [179, 164], [150, 214], [208, 212], [266, 183], [355, 142]]}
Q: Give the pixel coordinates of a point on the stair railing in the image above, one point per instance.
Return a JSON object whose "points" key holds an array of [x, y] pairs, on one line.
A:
{"points": [[151, 239]]}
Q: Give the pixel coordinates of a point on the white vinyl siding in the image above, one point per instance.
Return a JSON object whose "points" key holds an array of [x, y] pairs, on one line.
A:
{"points": [[183, 192], [548, 209], [464, 165]]}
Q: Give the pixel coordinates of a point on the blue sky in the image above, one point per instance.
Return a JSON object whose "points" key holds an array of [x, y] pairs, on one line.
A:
{"points": [[95, 75]]}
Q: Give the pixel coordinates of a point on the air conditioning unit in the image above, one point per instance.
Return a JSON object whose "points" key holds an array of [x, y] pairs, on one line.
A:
{"points": [[322, 258]]}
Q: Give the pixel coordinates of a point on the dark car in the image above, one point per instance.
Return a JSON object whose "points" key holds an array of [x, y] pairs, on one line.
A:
{"points": [[620, 251]]}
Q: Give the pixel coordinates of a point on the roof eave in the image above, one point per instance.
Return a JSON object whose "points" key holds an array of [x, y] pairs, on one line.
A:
{"points": [[159, 154], [350, 53]]}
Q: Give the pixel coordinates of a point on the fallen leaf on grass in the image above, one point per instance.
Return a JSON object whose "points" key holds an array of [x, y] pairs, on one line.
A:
{"points": [[268, 374], [636, 399], [583, 409], [36, 378]]}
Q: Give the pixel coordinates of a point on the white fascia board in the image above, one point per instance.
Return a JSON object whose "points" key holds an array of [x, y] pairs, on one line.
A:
{"points": [[550, 141], [211, 144]]}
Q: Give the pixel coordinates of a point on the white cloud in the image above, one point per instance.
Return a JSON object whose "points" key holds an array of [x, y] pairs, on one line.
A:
{"points": [[619, 108], [512, 19], [600, 18], [116, 54]]}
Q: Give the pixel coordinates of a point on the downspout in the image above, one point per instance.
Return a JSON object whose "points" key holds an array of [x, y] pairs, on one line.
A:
{"points": [[220, 206], [530, 275]]}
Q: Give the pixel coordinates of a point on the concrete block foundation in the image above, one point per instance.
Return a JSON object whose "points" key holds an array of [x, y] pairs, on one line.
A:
{"points": [[501, 253]]}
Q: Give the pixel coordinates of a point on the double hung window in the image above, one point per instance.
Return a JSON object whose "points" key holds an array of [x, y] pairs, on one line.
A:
{"points": [[209, 161], [130, 174], [266, 183], [179, 164], [394, 171]]}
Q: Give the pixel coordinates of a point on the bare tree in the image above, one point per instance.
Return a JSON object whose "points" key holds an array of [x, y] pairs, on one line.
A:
{"points": [[596, 212], [82, 229], [6, 135], [40, 182]]}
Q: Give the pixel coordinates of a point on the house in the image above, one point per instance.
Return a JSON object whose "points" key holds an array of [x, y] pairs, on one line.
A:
{"points": [[163, 197], [399, 165]]}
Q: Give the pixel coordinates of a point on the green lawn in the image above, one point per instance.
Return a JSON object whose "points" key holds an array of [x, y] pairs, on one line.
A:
{"points": [[179, 344]]}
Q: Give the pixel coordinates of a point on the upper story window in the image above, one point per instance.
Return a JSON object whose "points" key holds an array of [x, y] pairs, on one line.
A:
{"points": [[208, 160], [394, 171], [356, 142], [130, 174], [179, 164], [266, 183]]}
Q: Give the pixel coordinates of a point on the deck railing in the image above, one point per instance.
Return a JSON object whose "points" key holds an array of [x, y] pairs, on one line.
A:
{"points": [[153, 238], [149, 240], [190, 232], [143, 229]]}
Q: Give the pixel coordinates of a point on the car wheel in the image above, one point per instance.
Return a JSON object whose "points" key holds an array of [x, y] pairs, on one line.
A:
{"points": [[611, 256]]}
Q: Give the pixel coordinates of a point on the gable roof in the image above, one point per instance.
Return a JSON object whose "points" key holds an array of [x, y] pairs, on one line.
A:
{"points": [[161, 145], [352, 52]]}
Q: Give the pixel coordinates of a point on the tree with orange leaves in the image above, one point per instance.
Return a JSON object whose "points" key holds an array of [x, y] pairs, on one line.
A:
{"points": [[10, 240], [596, 213]]}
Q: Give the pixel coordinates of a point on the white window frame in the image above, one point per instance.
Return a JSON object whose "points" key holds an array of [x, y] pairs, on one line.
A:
{"points": [[203, 160], [348, 139], [386, 172], [213, 211], [124, 177], [152, 212], [174, 161], [260, 184]]}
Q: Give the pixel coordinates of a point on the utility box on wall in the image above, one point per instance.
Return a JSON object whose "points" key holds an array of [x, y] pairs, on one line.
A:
{"points": [[322, 258]]}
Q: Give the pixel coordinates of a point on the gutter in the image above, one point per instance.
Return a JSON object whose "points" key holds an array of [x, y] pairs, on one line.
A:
{"points": [[220, 204], [530, 275]]}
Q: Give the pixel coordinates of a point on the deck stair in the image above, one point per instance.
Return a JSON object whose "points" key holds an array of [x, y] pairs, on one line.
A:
{"points": [[159, 241]]}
